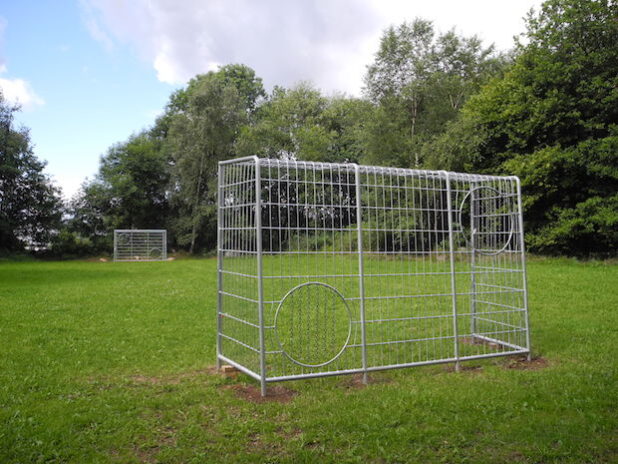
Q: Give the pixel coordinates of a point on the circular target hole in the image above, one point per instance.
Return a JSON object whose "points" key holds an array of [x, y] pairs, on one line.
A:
{"points": [[155, 253], [313, 324], [124, 239], [485, 219]]}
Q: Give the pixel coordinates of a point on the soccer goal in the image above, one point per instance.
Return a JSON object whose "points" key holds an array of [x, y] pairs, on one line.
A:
{"points": [[140, 245], [327, 269]]}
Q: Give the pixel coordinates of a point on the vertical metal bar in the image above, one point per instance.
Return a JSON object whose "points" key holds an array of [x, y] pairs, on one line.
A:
{"points": [[115, 245], [361, 270], [258, 227], [449, 208], [523, 264], [219, 261], [473, 230], [164, 245]]}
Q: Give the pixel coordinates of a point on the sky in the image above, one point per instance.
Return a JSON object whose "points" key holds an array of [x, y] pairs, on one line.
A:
{"points": [[89, 73]]}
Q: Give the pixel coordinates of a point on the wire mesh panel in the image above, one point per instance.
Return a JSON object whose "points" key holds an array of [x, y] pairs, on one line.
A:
{"points": [[337, 268], [140, 245]]}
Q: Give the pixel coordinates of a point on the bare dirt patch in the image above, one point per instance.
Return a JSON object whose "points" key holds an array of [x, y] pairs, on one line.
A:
{"points": [[521, 363]]}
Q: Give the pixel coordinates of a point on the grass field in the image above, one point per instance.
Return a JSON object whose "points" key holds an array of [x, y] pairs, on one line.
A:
{"points": [[112, 362]]}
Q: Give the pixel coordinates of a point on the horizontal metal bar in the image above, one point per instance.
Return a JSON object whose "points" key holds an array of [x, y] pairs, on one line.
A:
{"points": [[491, 303], [513, 289], [239, 274], [400, 274], [490, 268], [502, 311], [140, 230], [242, 205], [411, 340], [500, 342], [500, 323], [242, 182], [411, 318], [395, 366], [243, 159], [364, 169], [238, 296], [370, 253], [242, 321], [518, 350], [229, 250], [232, 339], [240, 367], [498, 332], [310, 276], [430, 295]]}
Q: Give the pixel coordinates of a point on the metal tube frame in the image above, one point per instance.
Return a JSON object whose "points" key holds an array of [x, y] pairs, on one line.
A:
{"points": [[294, 238], [451, 247], [361, 269]]}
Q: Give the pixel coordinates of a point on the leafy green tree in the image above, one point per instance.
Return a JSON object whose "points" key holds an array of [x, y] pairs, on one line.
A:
{"points": [[347, 119], [30, 205], [289, 125], [129, 191], [420, 81], [552, 119], [203, 126], [130, 188], [301, 123], [249, 87], [90, 221]]}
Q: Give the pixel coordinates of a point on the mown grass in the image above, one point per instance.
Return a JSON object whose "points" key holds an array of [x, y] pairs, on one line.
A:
{"points": [[112, 362]]}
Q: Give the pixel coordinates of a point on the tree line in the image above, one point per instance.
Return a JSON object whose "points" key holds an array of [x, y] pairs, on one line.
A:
{"points": [[546, 111]]}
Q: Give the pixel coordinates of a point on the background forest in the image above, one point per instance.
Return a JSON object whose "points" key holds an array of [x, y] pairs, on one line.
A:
{"points": [[547, 111]]}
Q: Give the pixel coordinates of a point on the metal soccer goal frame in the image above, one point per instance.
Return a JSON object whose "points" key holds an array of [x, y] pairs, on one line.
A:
{"points": [[140, 245], [327, 269]]}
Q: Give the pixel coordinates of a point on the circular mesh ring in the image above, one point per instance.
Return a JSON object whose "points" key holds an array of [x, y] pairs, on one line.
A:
{"points": [[310, 324], [467, 235]]}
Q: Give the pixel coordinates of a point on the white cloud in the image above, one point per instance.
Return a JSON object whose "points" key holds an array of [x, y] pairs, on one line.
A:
{"points": [[94, 26], [19, 91], [329, 42], [15, 90]]}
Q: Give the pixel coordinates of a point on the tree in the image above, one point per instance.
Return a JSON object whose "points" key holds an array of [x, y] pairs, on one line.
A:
{"points": [[203, 128], [30, 205], [552, 119], [289, 125], [136, 175], [129, 191], [301, 123], [420, 81]]}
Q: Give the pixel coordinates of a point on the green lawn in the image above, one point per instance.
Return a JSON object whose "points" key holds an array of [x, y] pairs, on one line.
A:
{"points": [[112, 362]]}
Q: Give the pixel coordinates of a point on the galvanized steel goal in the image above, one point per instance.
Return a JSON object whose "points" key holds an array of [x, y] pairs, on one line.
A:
{"points": [[328, 269], [140, 245]]}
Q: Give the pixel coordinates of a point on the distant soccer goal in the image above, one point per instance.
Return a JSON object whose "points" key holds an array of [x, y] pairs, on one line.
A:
{"points": [[140, 245]]}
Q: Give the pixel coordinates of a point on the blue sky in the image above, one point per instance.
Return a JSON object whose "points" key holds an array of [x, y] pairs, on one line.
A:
{"points": [[89, 73], [92, 96]]}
